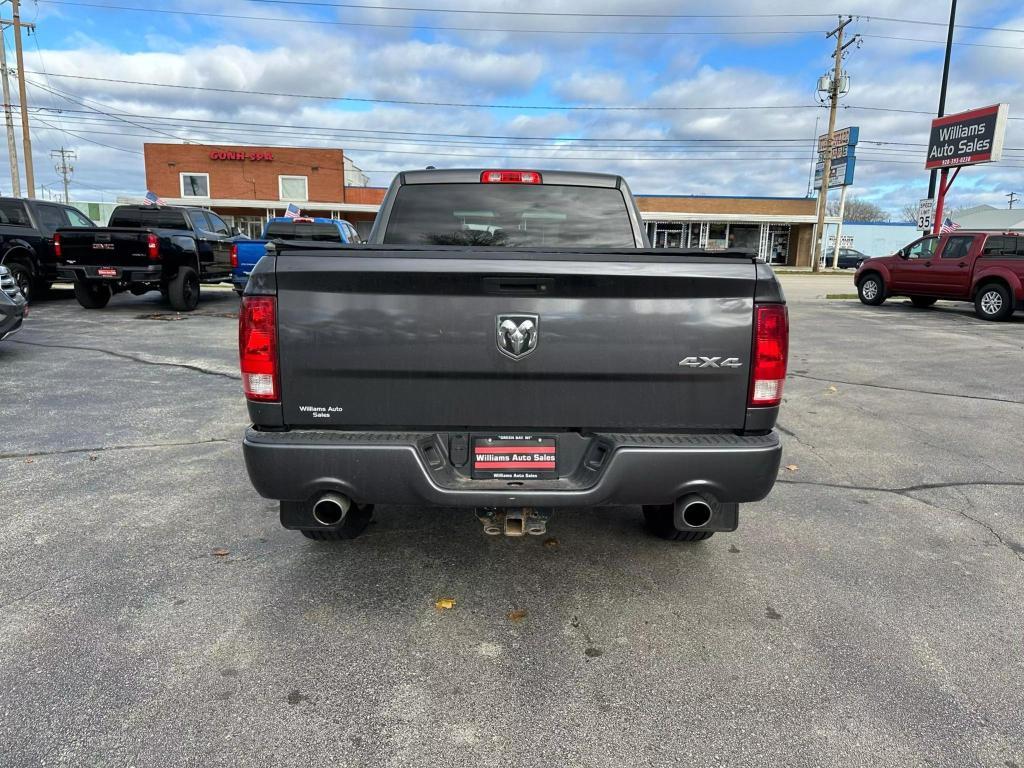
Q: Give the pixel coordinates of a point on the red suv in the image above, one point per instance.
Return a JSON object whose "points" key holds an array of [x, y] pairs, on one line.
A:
{"points": [[982, 267]]}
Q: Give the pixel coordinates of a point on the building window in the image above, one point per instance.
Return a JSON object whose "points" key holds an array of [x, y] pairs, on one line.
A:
{"points": [[195, 184], [292, 188]]}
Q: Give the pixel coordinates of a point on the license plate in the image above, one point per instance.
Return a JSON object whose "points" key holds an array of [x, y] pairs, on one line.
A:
{"points": [[515, 457], [106, 272]]}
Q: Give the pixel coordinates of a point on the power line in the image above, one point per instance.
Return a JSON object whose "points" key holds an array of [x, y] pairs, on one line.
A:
{"points": [[428, 27], [544, 107]]}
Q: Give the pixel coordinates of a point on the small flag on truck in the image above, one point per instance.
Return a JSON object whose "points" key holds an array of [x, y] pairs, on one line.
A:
{"points": [[292, 212], [948, 226], [152, 199]]}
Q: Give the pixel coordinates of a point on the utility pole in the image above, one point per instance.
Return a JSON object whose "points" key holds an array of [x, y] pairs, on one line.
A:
{"points": [[1013, 198], [12, 146], [945, 82], [63, 167], [26, 139], [833, 95]]}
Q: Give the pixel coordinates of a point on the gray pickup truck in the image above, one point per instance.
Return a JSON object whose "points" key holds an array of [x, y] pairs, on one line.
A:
{"points": [[508, 342]]}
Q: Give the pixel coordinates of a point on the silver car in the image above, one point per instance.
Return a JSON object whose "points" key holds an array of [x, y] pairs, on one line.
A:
{"points": [[13, 307]]}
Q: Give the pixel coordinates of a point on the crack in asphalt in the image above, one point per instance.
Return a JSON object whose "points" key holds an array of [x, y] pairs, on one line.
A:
{"points": [[134, 358], [905, 389], [801, 441], [907, 492], [104, 448]]}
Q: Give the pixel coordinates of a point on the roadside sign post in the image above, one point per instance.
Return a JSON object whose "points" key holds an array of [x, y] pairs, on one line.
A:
{"points": [[839, 227], [966, 138], [840, 157], [924, 214]]}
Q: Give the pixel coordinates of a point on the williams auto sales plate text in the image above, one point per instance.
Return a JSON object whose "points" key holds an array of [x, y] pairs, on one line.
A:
{"points": [[515, 457]]}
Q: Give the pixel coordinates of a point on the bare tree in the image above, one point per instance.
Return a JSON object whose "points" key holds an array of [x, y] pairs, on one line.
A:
{"points": [[909, 212], [858, 210]]}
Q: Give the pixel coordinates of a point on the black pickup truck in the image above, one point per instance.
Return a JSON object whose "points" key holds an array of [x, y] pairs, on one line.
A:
{"points": [[26, 240], [507, 341], [147, 248]]}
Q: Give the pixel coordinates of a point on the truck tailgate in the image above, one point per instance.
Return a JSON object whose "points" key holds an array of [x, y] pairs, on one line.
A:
{"points": [[409, 339], [104, 246]]}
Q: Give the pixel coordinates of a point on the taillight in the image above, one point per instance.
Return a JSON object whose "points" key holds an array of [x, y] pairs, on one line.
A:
{"points": [[510, 177], [257, 347], [771, 350], [56, 246], [234, 255], [153, 247]]}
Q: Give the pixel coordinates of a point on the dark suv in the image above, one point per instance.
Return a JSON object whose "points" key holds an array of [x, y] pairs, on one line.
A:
{"points": [[26, 240]]}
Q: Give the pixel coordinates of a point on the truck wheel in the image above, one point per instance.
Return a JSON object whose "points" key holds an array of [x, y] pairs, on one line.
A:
{"points": [[183, 290], [659, 522], [871, 290], [355, 523], [23, 279], [922, 302], [993, 302], [92, 295]]}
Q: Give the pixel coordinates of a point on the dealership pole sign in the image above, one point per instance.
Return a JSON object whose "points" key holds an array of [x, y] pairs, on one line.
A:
{"points": [[967, 138], [844, 161]]}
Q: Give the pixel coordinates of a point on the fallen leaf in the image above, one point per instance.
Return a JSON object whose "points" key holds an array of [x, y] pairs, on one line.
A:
{"points": [[445, 603], [832, 388], [551, 543], [517, 615], [29, 461], [792, 467], [93, 458], [220, 552]]}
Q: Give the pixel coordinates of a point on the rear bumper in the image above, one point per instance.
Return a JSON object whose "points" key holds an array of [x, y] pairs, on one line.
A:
{"points": [[151, 273], [413, 468], [11, 319]]}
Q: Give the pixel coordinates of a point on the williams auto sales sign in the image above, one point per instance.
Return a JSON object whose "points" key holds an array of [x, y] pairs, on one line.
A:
{"points": [[967, 138]]}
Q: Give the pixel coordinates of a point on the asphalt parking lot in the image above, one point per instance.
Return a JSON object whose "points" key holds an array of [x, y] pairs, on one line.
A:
{"points": [[868, 613]]}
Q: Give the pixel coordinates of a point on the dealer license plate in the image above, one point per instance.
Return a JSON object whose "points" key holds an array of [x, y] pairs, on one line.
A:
{"points": [[515, 457], [106, 272]]}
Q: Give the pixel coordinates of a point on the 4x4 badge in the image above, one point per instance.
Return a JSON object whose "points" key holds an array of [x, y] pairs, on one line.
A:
{"points": [[711, 362], [517, 335]]}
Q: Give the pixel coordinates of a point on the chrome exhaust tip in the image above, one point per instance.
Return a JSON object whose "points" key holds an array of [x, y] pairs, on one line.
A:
{"points": [[694, 511], [331, 508]]}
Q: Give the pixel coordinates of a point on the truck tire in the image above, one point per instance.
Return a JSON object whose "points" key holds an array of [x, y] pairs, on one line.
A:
{"points": [[22, 275], [993, 302], [871, 290], [183, 290], [659, 522], [922, 302], [355, 523], [91, 294]]}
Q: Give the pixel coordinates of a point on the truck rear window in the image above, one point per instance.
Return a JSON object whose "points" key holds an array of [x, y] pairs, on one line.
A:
{"points": [[157, 218], [510, 215], [287, 230]]}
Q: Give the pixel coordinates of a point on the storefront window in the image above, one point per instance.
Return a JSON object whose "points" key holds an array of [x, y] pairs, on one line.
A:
{"points": [[718, 237], [745, 236]]}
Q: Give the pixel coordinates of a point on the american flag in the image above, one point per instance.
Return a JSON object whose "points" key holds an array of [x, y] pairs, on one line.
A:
{"points": [[292, 211], [948, 226], [152, 199]]}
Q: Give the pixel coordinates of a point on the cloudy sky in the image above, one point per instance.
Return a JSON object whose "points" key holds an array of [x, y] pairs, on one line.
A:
{"points": [[676, 102]]}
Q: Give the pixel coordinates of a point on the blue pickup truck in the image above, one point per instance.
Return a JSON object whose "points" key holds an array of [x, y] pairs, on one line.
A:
{"points": [[245, 253]]}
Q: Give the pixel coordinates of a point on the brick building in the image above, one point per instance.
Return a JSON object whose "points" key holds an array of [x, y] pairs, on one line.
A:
{"points": [[248, 185], [780, 229]]}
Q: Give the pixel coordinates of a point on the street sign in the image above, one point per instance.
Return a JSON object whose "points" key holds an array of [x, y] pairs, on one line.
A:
{"points": [[967, 138], [846, 242], [924, 214], [840, 172], [844, 137]]}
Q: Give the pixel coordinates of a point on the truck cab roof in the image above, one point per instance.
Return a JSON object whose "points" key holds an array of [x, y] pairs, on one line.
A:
{"points": [[475, 175]]}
